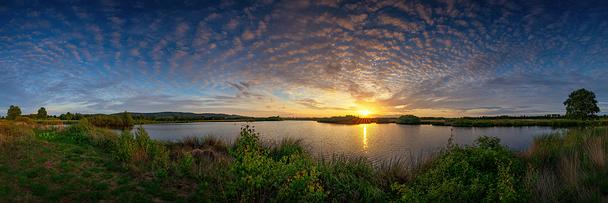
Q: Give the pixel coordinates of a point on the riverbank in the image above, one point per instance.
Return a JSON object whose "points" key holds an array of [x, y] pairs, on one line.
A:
{"points": [[108, 166], [472, 122]]}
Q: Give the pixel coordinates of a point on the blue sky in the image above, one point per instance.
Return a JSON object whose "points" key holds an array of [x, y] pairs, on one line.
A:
{"points": [[302, 58]]}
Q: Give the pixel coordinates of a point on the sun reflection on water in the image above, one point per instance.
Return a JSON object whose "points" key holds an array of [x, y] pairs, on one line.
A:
{"points": [[365, 146]]}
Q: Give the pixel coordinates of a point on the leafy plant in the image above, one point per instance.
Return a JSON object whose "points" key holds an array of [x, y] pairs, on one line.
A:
{"points": [[487, 172]]}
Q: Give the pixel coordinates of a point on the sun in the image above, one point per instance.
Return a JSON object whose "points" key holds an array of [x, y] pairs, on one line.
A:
{"points": [[364, 112]]}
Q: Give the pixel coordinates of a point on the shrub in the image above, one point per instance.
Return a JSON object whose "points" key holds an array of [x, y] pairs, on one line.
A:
{"points": [[125, 147], [138, 149], [408, 119], [347, 179], [287, 147], [76, 133], [487, 172], [260, 178]]}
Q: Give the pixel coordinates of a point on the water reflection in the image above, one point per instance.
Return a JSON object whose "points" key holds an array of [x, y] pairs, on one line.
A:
{"points": [[378, 142], [365, 146]]}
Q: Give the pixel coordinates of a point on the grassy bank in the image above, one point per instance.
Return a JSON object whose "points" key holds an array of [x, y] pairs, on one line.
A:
{"points": [[86, 163]]}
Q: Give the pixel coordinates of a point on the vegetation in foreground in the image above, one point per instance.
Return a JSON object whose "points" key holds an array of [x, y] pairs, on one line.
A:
{"points": [[86, 163]]}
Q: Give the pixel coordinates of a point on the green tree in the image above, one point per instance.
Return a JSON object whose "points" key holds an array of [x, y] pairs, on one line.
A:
{"points": [[581, 104], [42, 113], [13, 112]]}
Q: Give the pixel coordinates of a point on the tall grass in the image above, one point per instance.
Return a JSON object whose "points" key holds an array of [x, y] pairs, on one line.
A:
{"points": [[14, 131], [569, 167]]}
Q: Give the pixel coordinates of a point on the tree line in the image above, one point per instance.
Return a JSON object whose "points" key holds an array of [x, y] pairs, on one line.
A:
{"points": [[580, 104]]}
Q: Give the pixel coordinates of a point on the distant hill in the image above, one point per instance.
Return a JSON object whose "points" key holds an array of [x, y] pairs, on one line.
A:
{"points": [[186, 116]]}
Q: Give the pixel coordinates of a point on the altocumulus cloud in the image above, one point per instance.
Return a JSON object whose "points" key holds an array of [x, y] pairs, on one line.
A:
{"points": [[445, 57]]}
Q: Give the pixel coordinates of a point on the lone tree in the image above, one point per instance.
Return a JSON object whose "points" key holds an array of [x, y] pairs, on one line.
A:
{"points": [[581, 104], [13, 112], [42, 113]]}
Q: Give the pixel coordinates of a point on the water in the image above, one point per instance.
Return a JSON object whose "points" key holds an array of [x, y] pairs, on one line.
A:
{"points": [[378, 142]]}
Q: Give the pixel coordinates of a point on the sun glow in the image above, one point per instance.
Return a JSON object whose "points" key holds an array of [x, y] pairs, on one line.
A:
{"points": [[364, 112]]}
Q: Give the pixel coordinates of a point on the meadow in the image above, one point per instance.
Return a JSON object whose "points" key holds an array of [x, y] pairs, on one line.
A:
{"points": [[87, 163]]}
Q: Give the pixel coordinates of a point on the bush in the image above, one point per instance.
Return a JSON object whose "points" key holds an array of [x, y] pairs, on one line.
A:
{"points": [[76, 133], [408, 119], [286, 148], [139, 150], [260, 178], [121, 121], [487, 172], [347, 179]]}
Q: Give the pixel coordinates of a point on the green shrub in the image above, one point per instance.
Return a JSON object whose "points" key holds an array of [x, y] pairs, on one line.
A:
{"points": [[487, 172], [247, 143], [259, 178], [408, 119], [76, 133], [125, 147], [347, 179], [286, 148], [138, 148]]}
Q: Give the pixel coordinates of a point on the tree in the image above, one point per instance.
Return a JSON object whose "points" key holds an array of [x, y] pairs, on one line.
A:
{"points": [[581, 104], [42, 113], [13, 112]]}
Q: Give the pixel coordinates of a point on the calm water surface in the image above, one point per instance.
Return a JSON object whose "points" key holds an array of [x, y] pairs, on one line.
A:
{"points": [[378, 142]]}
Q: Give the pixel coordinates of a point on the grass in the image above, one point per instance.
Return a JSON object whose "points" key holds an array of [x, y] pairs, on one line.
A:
{"points": [[37, 169], [86, 163], [570, 167]]}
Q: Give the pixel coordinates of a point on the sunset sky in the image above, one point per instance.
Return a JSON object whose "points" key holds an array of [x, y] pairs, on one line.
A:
{"points": [[302, 58]]}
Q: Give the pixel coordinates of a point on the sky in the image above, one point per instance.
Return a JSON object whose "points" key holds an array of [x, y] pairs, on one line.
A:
{"points": [[302, 58]]}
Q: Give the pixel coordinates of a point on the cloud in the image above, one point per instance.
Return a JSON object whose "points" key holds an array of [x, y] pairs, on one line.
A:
{"points": [[458, 57]]}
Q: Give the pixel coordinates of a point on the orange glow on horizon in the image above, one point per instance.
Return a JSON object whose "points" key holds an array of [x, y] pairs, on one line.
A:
{"points": [[364, 112]]}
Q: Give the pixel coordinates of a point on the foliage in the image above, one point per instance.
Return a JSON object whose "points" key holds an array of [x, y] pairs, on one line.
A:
{"points": [[408, 119], [122, 121], [76, 133], [581, 104], [42, 113], [348, 119], [487, 172], [350, 179], [137, 148], [13, 112], [71, 116], [259, 177]]}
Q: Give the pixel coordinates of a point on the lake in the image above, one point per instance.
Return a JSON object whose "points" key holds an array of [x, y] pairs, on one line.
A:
{"points": [[377, 142]]}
